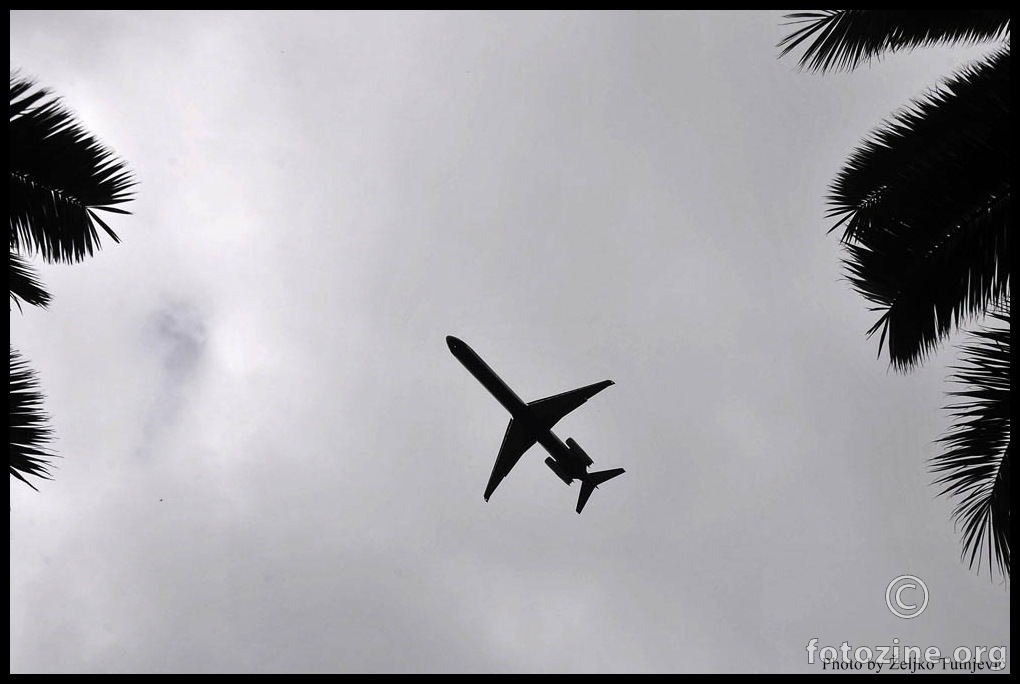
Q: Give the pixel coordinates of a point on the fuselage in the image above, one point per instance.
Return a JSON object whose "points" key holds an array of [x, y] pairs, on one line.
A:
{"points": [[572, 464], [485, 375]]}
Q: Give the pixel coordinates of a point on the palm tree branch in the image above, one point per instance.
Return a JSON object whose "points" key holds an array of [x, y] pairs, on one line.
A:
{"points": [[844, 39], [925, 206], [25, 283], [29, 429], [975, 464], [60, 175]]}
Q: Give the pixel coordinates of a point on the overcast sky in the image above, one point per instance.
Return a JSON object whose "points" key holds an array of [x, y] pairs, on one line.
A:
{"points": [[272, 462]]}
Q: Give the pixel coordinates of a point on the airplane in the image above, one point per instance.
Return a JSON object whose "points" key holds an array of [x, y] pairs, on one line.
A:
{"points": [[533, 422]]}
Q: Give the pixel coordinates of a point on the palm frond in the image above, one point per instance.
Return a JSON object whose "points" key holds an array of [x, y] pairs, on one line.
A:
{"points": [[976, 460], [844, 39], [25, 283], [60, 176], [925, 206], [30, 432]]}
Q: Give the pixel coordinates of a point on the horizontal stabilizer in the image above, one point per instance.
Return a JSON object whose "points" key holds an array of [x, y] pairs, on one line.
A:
{"points": [[593, 480], [604, 475]]}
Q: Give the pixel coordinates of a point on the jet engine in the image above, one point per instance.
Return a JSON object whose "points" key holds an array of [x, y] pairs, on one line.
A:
{"points": [[553, 466], [576, 448]]}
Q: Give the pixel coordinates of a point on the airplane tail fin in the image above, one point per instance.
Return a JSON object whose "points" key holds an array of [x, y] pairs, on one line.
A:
{"points": [[593, 480]]}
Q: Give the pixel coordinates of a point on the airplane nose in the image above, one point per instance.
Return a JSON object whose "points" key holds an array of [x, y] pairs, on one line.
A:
{"points": [[451, 342]]}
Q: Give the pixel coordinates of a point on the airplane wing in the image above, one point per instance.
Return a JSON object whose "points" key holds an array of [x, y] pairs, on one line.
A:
{"points": [[550, 410], [516, 441]]}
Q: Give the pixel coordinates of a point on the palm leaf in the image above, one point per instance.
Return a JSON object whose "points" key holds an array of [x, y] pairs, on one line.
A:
{"points": [[925, 202], [25, 284], [60, 176], [976, 461], [30, 432], [844, 39]]}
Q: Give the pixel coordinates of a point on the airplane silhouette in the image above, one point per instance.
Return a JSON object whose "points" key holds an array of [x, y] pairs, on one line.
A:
{"points": [[533, 422]]}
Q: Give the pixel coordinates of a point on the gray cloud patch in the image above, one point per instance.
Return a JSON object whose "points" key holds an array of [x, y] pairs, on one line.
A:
{"points": [[175, 336], [180, 337]]}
